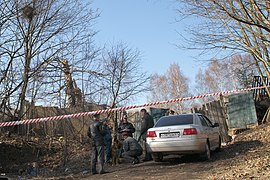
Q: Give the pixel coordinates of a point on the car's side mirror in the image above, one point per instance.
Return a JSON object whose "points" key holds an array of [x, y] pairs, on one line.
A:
{"points": [[216, 125]]}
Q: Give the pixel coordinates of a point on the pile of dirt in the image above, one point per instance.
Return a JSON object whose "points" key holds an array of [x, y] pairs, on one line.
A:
{"points": [[247, 157], [32, 157]]}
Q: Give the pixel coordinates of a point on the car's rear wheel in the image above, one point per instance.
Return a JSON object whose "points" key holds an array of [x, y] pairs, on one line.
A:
{"points": [[158, 157], [207, 153]]}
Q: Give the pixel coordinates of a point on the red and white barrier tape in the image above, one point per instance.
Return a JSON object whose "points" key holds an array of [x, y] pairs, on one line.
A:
{"points": [[53, 118]]}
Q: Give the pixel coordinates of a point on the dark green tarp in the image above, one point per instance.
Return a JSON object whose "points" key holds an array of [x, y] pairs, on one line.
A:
{"points": [[241, 110]]}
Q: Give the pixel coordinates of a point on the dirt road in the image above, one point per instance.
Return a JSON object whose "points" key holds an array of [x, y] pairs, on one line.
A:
{"points": [[246, 158], [171, 168]]}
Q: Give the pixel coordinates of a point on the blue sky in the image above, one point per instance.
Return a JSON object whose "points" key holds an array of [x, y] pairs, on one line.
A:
{"points": [[149, 26]]}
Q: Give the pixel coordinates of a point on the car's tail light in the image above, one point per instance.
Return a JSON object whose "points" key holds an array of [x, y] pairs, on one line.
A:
{"points": [[190, 131], [151, 134]]}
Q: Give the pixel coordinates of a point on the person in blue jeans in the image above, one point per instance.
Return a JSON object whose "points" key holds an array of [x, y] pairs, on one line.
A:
{"points": [[107, 139]]}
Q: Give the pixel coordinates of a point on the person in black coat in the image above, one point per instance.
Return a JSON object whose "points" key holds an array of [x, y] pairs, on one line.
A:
{"points": [[126, 127], [147, 123], [96, 134]]}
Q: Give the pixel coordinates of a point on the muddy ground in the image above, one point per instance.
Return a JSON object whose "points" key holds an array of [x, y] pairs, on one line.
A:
{"points": [[248, 157]]}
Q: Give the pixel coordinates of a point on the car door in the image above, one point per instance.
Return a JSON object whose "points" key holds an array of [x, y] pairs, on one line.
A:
{"points": [[208, 130]]}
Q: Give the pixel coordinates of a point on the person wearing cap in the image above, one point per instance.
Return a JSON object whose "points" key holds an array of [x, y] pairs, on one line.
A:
{"points": [[126, 127], [132, 149], [107, 139], [96, 134]]}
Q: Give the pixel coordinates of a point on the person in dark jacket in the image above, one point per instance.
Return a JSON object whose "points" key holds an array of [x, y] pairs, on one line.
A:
{"points": [[132, 149], [96, 134], [126, 127], [107, 139], [147, 123]]}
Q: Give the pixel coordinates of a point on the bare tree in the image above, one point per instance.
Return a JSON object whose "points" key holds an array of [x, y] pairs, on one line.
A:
{"points": [[231, 73], [178, 84], [6, 13], [172, 85], [38, 32], [217, 76], [200, 83], [234, 25], [159, 87], [242, 70], [123, 78]]}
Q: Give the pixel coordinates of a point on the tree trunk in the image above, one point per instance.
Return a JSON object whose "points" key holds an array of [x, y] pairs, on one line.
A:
{"points": [[25, 76]]}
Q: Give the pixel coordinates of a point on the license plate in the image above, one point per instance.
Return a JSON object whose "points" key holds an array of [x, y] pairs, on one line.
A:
{"points": [[169, 135]]}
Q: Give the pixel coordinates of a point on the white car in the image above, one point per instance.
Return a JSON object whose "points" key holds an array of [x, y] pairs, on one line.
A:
{"points": [[183, 134]]}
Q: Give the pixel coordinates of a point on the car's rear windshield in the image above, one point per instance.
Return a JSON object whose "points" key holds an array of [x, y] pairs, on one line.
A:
{"points": [[182, 119]]}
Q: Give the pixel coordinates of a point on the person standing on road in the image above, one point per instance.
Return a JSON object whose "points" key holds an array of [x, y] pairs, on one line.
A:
{"points": [[107, 139], [96, 134], [147, 122], [132, 149]]}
